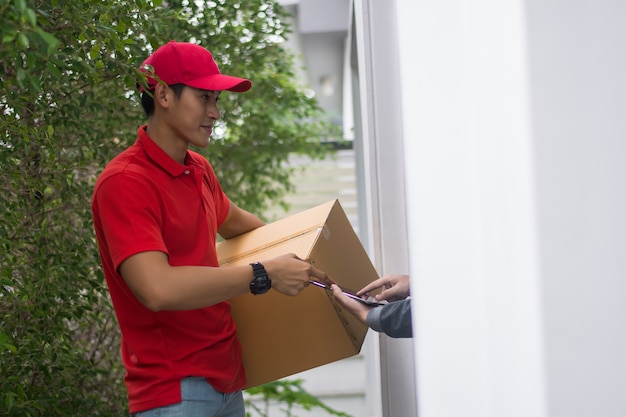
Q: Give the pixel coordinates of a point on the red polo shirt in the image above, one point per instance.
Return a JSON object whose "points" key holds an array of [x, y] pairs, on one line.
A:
{"points": [[146, 201]]}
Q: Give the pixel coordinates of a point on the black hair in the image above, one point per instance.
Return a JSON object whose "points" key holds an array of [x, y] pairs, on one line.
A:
{"points": [[147, 99]]}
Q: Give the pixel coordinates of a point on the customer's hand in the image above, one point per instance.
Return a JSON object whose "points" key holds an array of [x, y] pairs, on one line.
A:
{"points": [[356, 308], [395, 287]]}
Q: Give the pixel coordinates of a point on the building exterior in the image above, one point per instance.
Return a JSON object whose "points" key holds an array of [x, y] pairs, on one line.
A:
{"points": [[490, 164]]}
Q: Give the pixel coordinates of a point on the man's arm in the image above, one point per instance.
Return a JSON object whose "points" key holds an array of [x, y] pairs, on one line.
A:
{"points": [[160, 286]]}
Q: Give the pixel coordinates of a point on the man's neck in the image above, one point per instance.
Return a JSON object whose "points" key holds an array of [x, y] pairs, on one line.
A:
{"points": [[167, 140]]}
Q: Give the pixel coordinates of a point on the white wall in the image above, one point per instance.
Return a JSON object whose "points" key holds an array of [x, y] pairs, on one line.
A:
{"points": [[514, 126], [577, 56]]}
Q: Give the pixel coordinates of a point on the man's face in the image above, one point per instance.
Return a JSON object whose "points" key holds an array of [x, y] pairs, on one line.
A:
{"points": [[192, 115]]}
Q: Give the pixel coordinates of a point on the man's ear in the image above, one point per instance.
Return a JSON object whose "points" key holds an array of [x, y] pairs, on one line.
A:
{"points": [[162, 95]]}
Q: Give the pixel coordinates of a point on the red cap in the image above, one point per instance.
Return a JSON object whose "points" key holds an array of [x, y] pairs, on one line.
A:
{"points": [[191, 65]]}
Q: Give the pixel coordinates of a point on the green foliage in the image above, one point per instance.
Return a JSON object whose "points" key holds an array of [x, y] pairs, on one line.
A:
{"points": [[274, 119], [68, 104], [288, 393]]}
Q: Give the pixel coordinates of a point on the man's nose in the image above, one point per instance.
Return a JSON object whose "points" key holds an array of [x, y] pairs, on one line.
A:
{"points": [[214, 112]]}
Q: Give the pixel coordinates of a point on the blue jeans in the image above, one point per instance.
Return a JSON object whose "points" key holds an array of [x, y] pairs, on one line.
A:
{"points": [[200, 399]]}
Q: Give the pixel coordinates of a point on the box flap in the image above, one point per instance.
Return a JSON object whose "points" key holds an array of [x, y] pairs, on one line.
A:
{"points": [[273, 234]]}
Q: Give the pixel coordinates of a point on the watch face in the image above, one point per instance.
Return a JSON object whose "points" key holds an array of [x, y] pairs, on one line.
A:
{"points": [[260, 285]]}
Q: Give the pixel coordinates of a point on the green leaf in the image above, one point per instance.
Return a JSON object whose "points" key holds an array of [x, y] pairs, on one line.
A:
{"points": [[31, 17], [94, 52], [21, 75], [22, 40], [53, 70], [8, 400], [8, 37], [51, 41], [20, 5], [34, 81]]}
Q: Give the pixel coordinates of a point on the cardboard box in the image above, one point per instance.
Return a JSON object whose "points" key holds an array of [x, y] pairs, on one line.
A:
{"points": [[282, 335]]}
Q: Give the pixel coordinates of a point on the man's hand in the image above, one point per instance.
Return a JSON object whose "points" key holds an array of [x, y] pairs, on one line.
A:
{"points": [[395, 287], [358, 309], [290, 274]]}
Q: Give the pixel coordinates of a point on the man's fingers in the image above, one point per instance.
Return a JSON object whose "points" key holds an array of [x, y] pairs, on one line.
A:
{"points": [[321, 276], [293, 255]]}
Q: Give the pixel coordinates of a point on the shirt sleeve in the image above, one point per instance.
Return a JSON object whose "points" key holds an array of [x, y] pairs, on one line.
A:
{"points": [[130, 217], [393, 319]]}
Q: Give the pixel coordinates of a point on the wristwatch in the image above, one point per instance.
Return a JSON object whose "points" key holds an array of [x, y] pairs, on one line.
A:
{"points": [[261, 282]]}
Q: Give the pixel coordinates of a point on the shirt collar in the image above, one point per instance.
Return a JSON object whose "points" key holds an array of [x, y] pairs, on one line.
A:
{"points": [[158, 155]]}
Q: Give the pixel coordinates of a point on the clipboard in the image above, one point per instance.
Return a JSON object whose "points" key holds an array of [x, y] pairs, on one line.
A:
{"points": [[367, 301]]}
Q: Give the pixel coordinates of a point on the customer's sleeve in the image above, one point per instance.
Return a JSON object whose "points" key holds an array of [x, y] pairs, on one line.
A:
{"points": [[393, 319]]}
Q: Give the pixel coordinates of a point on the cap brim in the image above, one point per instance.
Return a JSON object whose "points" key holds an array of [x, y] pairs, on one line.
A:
{"points": [[221, 82]]}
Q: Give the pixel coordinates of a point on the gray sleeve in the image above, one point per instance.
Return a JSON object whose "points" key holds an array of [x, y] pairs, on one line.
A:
{"points": [[393, 319]]}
